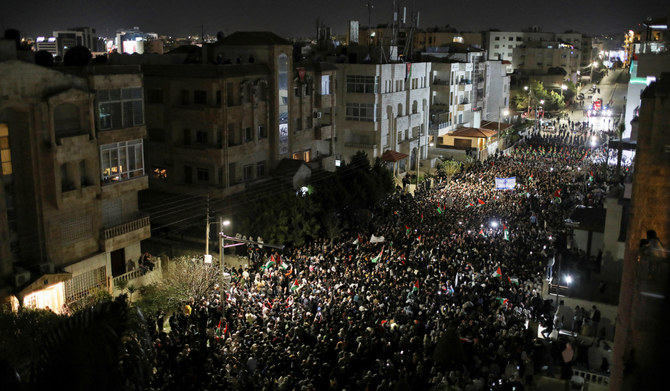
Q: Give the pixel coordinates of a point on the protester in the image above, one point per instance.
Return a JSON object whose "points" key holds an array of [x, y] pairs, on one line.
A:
{"points": [[442, 300]]}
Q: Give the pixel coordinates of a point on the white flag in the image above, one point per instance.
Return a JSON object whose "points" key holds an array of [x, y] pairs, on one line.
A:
{"points": [[376, 239], [505, 183]]}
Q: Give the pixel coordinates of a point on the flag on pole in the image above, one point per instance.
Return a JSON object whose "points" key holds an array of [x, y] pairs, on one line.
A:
{"points": [[295, 286], [481, 232], [285, 265], [591, 177], [498, 273], [505, 232], [439, 209], [269, 263], [407, 229], [480, 202], [378, 257], [416, 286], [502, 300], [217, 332], [513, 280], [422, 216]]}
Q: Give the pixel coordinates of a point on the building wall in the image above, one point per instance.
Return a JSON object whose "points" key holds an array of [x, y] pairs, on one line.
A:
{"points": [[401, 111], [641, 338]]}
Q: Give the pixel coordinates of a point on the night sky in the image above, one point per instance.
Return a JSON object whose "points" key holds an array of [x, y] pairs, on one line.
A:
{"points": [[297, 17]]}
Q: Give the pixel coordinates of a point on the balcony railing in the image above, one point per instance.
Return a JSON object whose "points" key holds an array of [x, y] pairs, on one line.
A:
{"points": [[124, 228], [138, 272]]}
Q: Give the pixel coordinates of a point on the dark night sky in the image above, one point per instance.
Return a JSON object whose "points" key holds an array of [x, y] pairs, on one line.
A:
{"points": [[297, 17]]}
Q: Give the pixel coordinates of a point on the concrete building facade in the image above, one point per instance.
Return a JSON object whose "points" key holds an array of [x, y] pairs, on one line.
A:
{"points": [[384, 107], [73, 163]]}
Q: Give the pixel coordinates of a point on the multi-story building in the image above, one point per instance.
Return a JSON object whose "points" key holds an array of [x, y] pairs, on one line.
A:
{"points": [[641, 338], [424, 39], [501, 45], [76, 36], [384, 107], [47, 44], [648, 58], [72, 164], [223, 123], [452, 92], [497, 88], [537, 58]]}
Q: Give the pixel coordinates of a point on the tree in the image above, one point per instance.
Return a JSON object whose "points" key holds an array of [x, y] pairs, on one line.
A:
{"points": [[104, 347], [187, 278], [451, 167]]}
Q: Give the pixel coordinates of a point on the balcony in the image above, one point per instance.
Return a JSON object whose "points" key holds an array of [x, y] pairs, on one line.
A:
{"points": [[139, 277], [323, 132], [464, 107], [135, 229]]}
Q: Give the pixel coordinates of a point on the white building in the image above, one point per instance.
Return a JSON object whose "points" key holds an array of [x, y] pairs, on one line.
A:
{"points": [[384, 107], [500, 45], [497, 91]]}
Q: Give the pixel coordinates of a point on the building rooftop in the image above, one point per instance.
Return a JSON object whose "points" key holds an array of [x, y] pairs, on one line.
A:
{"points": [[473, 132], [253, 38]]}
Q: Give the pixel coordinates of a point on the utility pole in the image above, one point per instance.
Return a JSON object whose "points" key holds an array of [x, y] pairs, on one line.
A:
{"points": [[207, 228]]}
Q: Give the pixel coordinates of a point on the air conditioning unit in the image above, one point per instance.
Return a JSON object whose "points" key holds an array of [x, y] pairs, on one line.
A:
{"points": [[21, 278], [317, 114], [46, 268]]}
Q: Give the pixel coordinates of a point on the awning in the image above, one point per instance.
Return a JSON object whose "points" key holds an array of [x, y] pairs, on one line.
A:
{"points": [[44, 282], [393, 156]]}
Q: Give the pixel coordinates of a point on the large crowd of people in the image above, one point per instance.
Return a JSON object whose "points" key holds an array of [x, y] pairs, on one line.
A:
{"points": [[436, 291]]}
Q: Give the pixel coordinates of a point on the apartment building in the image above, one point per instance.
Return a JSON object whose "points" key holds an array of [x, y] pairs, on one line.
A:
{"points": [[384, 107], [452, 95], [501, 45], [223, 123], [72, 164]]}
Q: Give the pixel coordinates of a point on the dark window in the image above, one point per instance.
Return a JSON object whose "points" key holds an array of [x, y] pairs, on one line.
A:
{"points": [[120, 108], [260, 169], [203, 175], [184, 97], [298, 123], [187, 136], [248, 134], [262, 132], [188, 174], [201, 137], [218, 97], [199, 97], [248, 172]]}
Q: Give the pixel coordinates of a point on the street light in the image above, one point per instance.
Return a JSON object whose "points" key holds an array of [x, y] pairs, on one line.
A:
{"points": [[222, 223], [500, 114]]}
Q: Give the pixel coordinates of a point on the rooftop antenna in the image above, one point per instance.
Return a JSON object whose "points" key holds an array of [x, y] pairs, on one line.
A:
{"points": [[369, 6]]}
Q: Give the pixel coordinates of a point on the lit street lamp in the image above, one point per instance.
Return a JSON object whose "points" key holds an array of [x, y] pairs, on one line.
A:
{"points": [[222, 223]]}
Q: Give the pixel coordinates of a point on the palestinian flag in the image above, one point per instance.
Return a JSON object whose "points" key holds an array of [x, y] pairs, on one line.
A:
{"points": [[217, 331], [591, 177], [422, 216], [378, 257], [285, 266], [471, 204], [269, 263], [481, 232], [530, 178], [513, 280], [407, 229], [498, 273], [480, 202], [416, 286], [557, 193], [439, 209], [505, 232], [502, 300], [295, 285]]}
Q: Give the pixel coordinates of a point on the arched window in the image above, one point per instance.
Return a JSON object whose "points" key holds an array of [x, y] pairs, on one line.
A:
{"points": [[415, 107], [399, 109]]}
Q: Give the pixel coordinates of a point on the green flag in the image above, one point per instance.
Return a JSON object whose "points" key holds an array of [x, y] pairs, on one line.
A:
{"points": [[378, 257]]}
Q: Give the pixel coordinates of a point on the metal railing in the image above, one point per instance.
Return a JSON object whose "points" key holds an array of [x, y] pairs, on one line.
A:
{"points": [[592, 377], [138, 272], [124, 228]]}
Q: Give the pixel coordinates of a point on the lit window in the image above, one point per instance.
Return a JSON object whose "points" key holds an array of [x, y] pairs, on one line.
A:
{"points": [[121, 161]]}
